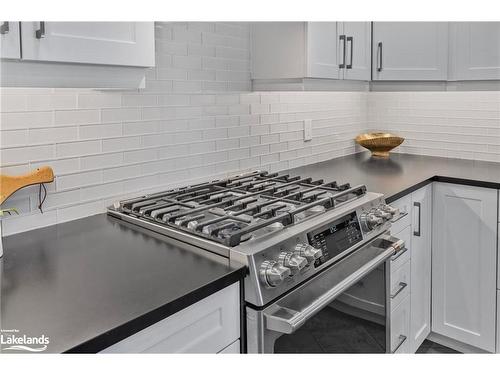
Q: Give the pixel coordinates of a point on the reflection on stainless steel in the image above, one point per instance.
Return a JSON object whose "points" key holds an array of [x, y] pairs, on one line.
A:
{"points": [[286, 229]]}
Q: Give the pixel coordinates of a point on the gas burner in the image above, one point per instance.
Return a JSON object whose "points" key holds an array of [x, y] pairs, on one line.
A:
{"points": [[225, 229], [240, 208]]}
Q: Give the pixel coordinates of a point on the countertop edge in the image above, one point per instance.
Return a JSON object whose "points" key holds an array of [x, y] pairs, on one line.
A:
{"points": [[135, 325], [447, 179]]}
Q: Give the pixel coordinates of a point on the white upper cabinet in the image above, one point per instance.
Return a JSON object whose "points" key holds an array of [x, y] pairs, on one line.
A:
{"points": [[464, 252], [318, 50], [108, 43], [410, 51], [10, 43], [358, 50], [324, 45], [474, 50]]}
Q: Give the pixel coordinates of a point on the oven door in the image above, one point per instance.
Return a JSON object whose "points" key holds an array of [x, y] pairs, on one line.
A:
{"points": [[335, 311]]}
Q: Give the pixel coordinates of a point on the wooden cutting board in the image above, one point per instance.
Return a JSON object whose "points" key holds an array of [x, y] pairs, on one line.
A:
{"points": [[10, 184]]}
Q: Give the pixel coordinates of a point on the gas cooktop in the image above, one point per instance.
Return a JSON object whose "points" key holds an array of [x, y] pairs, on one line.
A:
{"points": [[284, 228], [240, 208]]}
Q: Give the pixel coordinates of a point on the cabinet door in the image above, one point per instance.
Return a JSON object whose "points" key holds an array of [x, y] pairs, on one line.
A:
{"points": [[420, 320], [110, 43], [10, 44], [325, 50], [410, 51], [464, 264], [358, 50], [475, 50], [207, 326]]}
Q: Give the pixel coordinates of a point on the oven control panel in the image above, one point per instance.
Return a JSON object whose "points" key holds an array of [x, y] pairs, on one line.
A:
{"points": [[335, 238], [304, 253]]}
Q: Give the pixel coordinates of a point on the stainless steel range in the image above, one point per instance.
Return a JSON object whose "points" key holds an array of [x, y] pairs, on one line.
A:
{"points": [[305, 242]]}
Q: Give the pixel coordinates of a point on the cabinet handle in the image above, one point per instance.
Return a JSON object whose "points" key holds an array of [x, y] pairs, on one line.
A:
{"points": [[379, 57], [399, 253], [402, 339], [40, 33], [342, 39], [350, 40], [402, 285], [4, 28], [417, 205]]}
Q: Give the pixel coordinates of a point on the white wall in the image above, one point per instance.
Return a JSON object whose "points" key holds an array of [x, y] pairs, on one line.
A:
{"points": [[195, 120], [449, 124]]}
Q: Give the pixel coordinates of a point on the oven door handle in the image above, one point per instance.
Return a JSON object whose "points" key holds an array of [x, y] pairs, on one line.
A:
{"points": [[288, 314]]}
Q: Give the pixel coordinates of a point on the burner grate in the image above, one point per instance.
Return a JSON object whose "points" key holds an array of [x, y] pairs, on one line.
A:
{"points": [[233, 210]]}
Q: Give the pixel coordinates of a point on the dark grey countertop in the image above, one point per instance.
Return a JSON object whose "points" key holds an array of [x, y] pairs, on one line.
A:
{"points": [[89, 283], [402, 173]]}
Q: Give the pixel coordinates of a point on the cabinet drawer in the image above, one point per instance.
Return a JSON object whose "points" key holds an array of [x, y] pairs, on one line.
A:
{"points": [[402, 256], [400, 327], [208, 326], [400, 284], [404, 219]]}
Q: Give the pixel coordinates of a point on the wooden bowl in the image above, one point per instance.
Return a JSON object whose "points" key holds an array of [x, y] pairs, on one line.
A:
{"points": [[379, 143]]}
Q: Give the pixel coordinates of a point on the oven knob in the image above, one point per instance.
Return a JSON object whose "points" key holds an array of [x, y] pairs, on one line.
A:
{"points": [[369, 221], [307, 251], [272, 273], [293, 261], [393, 211], [383, 214]]}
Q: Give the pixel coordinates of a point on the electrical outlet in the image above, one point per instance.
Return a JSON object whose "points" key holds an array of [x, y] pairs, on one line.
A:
{"points": [[308, 130]]}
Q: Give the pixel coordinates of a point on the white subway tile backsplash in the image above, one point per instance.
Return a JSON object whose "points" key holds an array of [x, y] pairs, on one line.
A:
{"points": [[449, 124], [78, 180], [14, 138], [101, 161], [23, 120], [21, 155], [51, 102], [83, 148], [76, 117], [195, 120], [100, 131], [120, 144]]}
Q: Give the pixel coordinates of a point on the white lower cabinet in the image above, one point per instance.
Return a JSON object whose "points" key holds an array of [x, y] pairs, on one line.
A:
{"points": [[464, 254], [400, 327], [421, 238], [411, 270], [211, 325], [400, 284]]}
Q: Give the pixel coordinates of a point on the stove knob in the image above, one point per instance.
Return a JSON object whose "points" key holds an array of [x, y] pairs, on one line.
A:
{"points": [[383, 214], [393, 211], [272, 273], [369, 221], [293, 261], [307, 251]]}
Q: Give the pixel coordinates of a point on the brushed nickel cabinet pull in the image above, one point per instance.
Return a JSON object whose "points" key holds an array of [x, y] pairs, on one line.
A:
{"points": [[379, 57], [402, 285], [350, 40], [4, 28], [40, 33], [342, 39], [417, 205]]}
